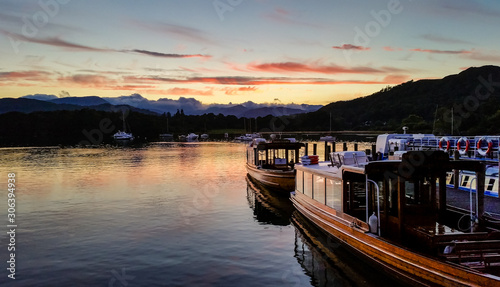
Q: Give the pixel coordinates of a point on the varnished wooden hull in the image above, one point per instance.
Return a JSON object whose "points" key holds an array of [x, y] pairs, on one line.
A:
{"points": [[417, 268], [277, 179]]}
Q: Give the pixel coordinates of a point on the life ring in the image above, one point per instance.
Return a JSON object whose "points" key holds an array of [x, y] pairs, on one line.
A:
{"points": [[447, 140], [459, 145], [480, 149]]}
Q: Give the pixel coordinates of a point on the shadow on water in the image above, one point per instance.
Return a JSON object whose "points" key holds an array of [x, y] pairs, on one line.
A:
{"points": [[269, 207], [321, 257]]}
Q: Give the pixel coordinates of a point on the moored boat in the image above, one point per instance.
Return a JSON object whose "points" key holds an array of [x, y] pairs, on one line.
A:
{"points": [[123, 136], [192, 137], [394, 213], [478, 148], [272, 163]]}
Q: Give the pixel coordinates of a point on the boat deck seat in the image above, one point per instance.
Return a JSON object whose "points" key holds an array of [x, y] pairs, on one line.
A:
{"points": [[486, 251]]}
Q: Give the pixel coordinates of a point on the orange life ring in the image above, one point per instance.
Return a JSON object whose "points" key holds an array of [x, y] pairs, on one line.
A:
{"points": [[480, 148], [448, 144], [459, 145]]}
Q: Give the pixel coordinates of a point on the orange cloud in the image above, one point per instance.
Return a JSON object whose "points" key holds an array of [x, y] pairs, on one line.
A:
{"points": [[235, 91], [396, 79], [442, 51], [351, 47], [392, 49]]}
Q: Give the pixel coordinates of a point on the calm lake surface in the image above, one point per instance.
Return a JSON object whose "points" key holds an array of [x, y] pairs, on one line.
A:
{"points": [[169, 214]]}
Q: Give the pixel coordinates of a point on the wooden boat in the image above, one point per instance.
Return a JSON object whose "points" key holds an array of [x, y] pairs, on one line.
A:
{"points": [[394, 213], [272, 163]]}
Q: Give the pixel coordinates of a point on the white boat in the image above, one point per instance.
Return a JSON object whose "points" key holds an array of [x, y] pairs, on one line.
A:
{"points": [[192, 137], [204, 136], [248, 137], [123, 136], [479, 148]]}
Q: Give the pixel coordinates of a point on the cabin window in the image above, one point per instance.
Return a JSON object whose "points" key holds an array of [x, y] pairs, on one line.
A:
{"points": [[465, 181], [329, 192], [418, 191], [308, 184], [319, 188], [262, 158], [337, 194], [491, 183], [299, 182]]}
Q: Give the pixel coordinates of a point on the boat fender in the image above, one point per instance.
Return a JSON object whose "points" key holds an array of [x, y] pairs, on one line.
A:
{"points": [[372, 222]]}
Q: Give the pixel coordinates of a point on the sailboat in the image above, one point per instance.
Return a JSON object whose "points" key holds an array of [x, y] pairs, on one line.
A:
{"points": [[123, 136]]}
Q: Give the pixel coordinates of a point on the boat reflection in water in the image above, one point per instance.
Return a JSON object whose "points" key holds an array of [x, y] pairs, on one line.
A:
{"points": [[321, 257], [269, 207]]}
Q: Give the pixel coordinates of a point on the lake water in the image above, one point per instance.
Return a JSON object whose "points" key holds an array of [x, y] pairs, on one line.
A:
{"points": [[169, 214]]}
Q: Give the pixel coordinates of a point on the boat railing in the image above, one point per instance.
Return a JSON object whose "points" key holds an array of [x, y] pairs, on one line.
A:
{"points": [[471, 147]]}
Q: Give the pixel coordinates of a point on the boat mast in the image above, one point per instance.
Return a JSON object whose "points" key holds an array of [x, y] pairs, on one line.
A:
{"points": [[123, 117], [330, 122], [435, 116]]}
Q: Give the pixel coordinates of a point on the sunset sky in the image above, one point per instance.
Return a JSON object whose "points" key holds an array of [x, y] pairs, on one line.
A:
{"points": [[222, 51]]}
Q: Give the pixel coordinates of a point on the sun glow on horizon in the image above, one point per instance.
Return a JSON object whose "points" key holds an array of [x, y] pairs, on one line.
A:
{"points": [[313, 54]]}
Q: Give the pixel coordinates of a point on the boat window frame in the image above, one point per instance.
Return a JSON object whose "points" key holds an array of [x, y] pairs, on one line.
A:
{"points": [[319, 189], [299, 173]]}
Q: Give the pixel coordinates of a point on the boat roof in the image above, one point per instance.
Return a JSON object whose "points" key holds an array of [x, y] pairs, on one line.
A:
{"points": [[416, 161]]}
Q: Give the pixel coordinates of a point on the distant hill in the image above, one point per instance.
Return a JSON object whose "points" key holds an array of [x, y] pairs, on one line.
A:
{"points": [[25, 105], [275, 111], [80, 101], [423, 106], [30, 105], [189, 106]]}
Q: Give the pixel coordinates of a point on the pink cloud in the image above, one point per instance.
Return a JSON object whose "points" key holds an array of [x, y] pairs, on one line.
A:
{"points": [[25, 76], [249, 81], [84, 80], [310, 68], [165, 55], [185, 91]]}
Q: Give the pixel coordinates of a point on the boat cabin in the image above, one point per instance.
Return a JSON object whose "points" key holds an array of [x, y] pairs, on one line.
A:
{"points": [[408, 197], [278, 154]]}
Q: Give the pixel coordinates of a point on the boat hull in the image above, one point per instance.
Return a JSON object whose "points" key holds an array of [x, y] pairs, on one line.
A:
{"points": [[277, 179], [411, 266]]}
